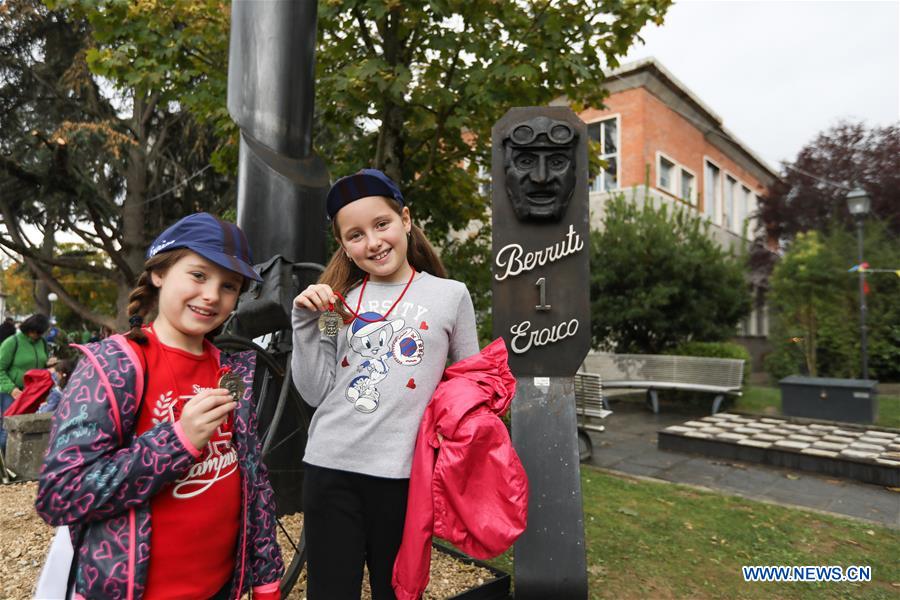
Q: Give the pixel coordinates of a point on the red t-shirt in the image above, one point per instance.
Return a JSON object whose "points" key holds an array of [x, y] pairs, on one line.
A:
{"points": [[195, 519]]}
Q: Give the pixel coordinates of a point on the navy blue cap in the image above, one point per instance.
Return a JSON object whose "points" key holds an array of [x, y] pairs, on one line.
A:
{"points": [[213, 239], [362, 184]]}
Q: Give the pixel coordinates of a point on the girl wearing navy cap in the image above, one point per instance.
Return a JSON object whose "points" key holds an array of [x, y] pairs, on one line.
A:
{"points": [[371, 340], [153, 459]]}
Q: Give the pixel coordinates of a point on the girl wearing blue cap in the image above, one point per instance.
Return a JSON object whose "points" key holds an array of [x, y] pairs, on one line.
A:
{"points": [[371, 340], [153, 461]]}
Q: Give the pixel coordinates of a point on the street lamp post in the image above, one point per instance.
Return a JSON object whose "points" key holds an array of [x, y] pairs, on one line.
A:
{"points": [[858, 203], [51, 298]]}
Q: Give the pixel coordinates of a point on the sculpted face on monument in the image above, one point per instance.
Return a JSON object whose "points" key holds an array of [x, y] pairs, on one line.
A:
{"points": [[540, 168]]}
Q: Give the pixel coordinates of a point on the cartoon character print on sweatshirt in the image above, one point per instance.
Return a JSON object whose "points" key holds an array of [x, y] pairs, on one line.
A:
{"points": [[377, 340]]}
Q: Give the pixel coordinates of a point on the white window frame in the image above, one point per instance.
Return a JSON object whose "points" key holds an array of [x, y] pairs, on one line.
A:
{"points": [[744, 210], [673, 190], [727, 221], [753, 215], [599, 183], [692, 200]]}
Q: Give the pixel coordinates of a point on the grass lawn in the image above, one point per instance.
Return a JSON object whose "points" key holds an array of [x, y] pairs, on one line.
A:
{"points": [[767, 400], [658, 540]]}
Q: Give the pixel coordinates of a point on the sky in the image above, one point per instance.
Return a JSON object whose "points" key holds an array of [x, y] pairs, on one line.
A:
{"points": [[779, 72]]}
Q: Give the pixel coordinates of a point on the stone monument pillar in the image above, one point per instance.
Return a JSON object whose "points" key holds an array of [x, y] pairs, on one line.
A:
{"points": [[541, 307]]}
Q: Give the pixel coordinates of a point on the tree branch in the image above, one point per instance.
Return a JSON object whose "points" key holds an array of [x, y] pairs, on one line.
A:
{"points": [[364, 31], [66, 263], [34, 264]]}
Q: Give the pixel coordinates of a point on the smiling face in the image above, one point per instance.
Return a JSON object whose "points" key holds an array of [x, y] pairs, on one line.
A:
{"points": [[195, 297], [373, 235]]}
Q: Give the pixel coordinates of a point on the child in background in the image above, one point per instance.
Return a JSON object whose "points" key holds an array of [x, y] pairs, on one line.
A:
{"points": [[153, 459], [370, 380], [60, 371]]}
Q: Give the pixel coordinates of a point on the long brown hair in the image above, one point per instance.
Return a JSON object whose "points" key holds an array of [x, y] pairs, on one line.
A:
{"points": [[342, 274], [144, 297]]}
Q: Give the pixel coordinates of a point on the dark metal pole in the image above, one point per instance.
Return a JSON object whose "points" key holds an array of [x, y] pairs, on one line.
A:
{"points": [[282, 182], [862, 301]]}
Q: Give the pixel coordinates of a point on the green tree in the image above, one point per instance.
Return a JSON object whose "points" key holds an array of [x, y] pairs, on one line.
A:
{"points": [[409, 87], [805, 293], [657, 280], [413, 89], [814, 303], [100, 152]]}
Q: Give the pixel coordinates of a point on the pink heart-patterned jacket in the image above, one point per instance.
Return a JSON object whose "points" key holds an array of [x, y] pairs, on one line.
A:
{"points": [[98, 477]]}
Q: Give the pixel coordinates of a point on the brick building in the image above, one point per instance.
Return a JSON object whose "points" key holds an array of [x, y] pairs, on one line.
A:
{"points": [[661, 141]]}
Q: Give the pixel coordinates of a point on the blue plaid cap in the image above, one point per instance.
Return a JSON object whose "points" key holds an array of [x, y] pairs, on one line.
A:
{"points": [[362, 184], [215, 240]]}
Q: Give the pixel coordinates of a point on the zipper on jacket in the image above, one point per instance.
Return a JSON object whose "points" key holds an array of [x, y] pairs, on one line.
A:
{"points": [[131, 543], [243, 540]]}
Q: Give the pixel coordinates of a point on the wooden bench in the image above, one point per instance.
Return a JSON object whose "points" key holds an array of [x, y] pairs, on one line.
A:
{"points": [[654, 372]]}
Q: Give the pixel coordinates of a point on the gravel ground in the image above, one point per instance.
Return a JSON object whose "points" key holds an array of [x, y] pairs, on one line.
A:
{"points": [[24, 538]]}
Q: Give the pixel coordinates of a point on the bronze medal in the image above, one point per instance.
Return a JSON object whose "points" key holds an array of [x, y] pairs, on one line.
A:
{"points": [[232, 383], [330, 323]]}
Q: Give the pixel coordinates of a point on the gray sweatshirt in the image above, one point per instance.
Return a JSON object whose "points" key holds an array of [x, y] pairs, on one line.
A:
{"points": [[372, 382]]}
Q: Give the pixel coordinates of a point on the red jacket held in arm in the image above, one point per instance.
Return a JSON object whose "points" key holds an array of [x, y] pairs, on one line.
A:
{"points": [[469, 489]]}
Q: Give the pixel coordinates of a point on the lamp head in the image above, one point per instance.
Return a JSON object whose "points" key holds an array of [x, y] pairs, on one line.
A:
{"points": [[859, 203]]}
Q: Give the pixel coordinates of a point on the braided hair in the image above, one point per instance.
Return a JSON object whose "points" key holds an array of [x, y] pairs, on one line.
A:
{"points": [[144, 297]]}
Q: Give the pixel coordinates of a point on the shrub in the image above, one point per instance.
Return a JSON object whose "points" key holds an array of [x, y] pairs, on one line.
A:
{"points": [[658, 279]]}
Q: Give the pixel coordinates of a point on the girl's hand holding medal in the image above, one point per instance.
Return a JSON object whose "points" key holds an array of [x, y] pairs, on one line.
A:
{"points": [[203, 414], [320, 297]]}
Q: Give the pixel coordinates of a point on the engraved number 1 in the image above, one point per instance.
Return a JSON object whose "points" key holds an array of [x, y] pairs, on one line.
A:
{"points": [[542, 285]]}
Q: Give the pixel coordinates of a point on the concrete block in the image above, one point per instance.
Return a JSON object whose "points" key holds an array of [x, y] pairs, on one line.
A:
{"points": [[26, 443]]}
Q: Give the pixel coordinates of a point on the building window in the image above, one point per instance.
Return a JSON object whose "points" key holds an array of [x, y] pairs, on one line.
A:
{"points": [[730, 191], [688, 188], [665, 174], [606, 133], [743, 211], [676, 179], [753, 217], [711, 189]]}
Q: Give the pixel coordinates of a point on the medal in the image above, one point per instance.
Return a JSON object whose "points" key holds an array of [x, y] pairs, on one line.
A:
{"points": [[232, 383], [330, 322]]}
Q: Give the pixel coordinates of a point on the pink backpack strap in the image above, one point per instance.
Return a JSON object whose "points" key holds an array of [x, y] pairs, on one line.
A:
{"points": [[139, 379]]}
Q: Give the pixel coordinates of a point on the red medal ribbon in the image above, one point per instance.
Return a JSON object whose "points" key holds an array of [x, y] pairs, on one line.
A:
{"points": [[355, 313]]}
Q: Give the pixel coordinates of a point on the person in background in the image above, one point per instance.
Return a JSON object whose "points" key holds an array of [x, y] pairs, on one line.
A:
{"points": [[59, 371], [7, 328], [52, 333], [21, 352]]}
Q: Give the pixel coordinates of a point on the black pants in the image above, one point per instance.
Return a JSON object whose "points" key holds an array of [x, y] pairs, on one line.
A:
{"points": [[351, 520]]}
